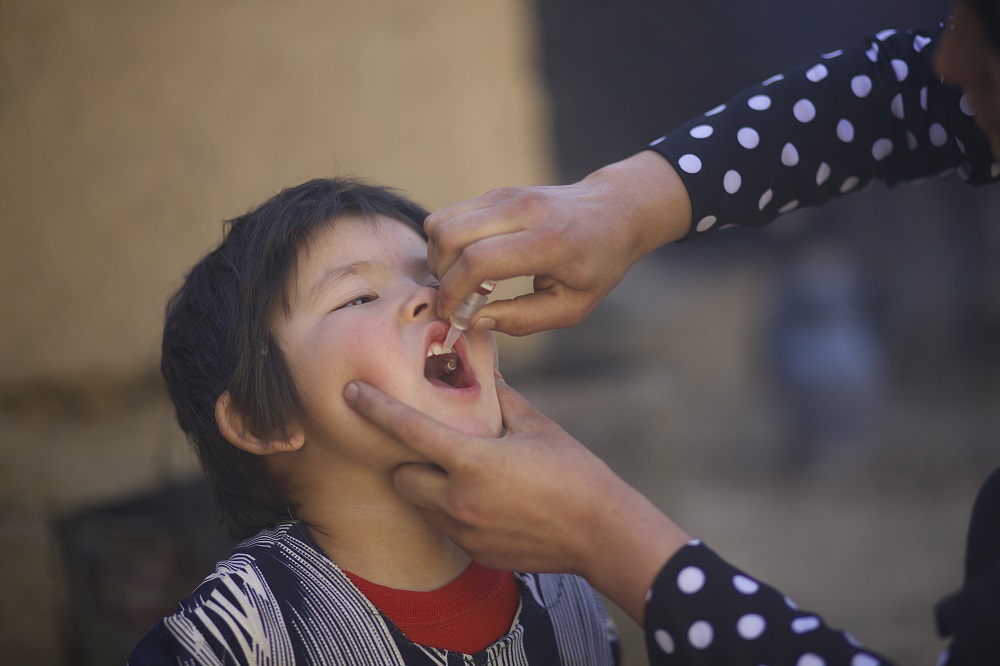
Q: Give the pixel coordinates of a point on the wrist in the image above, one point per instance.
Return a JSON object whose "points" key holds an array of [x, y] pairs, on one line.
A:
{"points": [[650, 199], [631, 542]]}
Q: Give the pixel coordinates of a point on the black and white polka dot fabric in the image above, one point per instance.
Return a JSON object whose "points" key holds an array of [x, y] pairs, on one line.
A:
{"points": [[825, 129], [703, 611]]}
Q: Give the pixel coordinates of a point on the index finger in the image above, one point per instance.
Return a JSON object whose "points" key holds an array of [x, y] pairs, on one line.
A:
{"points": [[418, 432], [434, 220]]}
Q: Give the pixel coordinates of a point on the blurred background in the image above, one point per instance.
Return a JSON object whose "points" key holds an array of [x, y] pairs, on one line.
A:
{"points": [[818, 401]]}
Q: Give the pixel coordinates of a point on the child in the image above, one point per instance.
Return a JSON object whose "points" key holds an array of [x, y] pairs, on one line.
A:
{"points": [[325, 283]]}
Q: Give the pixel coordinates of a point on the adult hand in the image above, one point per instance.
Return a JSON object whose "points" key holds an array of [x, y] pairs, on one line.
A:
{"points": [[533, 500], [576, 240]]}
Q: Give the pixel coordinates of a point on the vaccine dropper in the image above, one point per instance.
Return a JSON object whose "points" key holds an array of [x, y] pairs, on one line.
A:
{"points": [[462, 317]]}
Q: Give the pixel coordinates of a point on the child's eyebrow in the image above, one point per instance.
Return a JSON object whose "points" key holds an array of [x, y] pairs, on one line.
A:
{"points": [[335, 274]]}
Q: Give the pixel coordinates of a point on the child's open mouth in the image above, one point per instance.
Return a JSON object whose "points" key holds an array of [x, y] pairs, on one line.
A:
{"points": [[446, 367]]}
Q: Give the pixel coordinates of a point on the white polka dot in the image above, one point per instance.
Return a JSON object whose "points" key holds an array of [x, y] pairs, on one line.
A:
{"points": [[938, 135], [862, 659], [690, 580], [851, 639], [789, 207], [690, 163], [872, 53], [732, 181], [700, 635], [823, 173], [660, 140], [944, 657], [832, 54], [718, 109], [664, 640], [963, 103], [861, 85], [885, 34], [750, 626], [817, 73], [801, 625], [743, 584], [701, 131], [810, 659], [706, 223], [694, 542], [804, 111], [849, 184], [900, 68], [923, 98], [791, 604], [759, 102], [845, 130], [649, 594], [748, 137], [961, 146], [789, 155], [764, 200], [881, 149], [919, 42], [897, 106], [911, 141], [995, 169], [773, 79]]}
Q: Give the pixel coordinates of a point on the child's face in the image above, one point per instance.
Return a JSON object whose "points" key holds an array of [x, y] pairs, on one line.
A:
{"points": [[363, 307]]}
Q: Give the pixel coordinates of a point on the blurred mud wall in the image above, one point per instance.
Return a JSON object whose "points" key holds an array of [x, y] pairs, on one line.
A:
{"points": [[129, 131]]}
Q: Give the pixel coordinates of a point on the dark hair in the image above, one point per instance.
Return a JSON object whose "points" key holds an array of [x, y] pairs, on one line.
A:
{"points": [[216, 336]]}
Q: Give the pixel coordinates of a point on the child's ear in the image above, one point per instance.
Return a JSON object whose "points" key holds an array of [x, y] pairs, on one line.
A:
{"points": [[233, 428]]}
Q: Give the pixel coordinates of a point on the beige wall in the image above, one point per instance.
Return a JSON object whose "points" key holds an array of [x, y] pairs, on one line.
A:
{"points": [[128, 131]]}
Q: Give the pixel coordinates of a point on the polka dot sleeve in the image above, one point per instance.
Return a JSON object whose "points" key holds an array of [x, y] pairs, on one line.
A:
{"points": [[827, 128], [701, 610]]}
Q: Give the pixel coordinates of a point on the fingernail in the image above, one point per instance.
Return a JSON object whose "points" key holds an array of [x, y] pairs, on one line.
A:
{"points": [[484, 324], [351, 392]]}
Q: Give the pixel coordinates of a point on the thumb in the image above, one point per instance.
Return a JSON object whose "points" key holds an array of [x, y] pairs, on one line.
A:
{"points": [[519, 415], [529, 313], [422, 484]]}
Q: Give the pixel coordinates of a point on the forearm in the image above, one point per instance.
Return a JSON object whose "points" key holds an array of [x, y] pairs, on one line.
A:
{"points": [[875, 112], [702, 610], [628, 543]]}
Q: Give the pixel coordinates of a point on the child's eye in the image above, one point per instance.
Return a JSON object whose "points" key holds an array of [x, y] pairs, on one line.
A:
{"points": [[358, 300]]}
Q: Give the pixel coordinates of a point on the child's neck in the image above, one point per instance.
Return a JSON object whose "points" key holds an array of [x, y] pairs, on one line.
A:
{"points": [[369, 530]]}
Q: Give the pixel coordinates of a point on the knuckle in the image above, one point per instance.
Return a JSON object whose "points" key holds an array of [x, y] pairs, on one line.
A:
{"points": [[463, 511], [432, 221], [475, 252], [501, 193], [443, 239]]}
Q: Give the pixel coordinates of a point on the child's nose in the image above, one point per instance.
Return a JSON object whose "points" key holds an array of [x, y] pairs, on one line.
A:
{"points": [[420, 303]]}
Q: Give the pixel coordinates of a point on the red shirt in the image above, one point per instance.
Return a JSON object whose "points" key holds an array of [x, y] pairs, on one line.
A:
{"points": [[467, 615]]}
